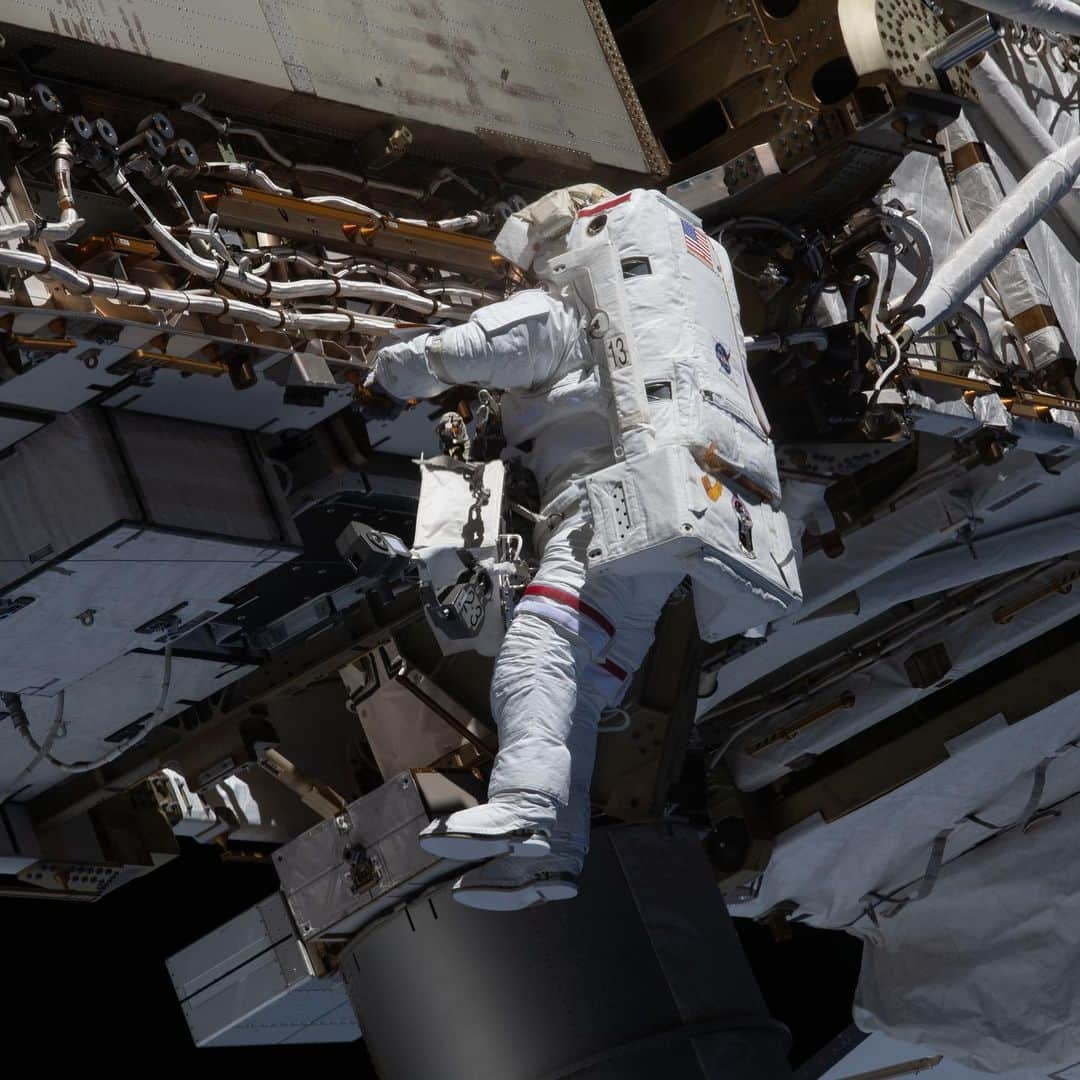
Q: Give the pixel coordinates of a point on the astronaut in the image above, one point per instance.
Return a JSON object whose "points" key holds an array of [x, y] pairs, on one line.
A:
{"points": [[625, 391]]}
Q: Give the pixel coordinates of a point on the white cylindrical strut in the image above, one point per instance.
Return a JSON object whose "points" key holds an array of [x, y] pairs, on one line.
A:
{"points": [[1018, 124], [1016, 286], [1022, 209], [1057, 16]]}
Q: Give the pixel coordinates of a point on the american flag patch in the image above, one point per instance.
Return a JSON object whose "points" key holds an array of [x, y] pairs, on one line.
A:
{"points": [[697, 243]]}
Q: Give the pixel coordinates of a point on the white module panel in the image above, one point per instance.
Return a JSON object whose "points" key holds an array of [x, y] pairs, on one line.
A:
{"points": [[14, 428], [543, 80], [96, 364], [106, 711], [261, 407], [75, 615], [252, 982], [61, 381]]}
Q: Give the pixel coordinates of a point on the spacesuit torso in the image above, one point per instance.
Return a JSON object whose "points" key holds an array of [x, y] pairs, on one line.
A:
{"points": [[625, 387], [683, 315], [554, 410]]}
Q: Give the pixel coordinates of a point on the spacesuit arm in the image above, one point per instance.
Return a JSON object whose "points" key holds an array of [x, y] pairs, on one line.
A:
{"points": [[517, 344]]}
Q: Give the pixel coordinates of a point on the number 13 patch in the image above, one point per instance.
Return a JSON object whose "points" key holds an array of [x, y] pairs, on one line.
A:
{"points": [[617, 352]]}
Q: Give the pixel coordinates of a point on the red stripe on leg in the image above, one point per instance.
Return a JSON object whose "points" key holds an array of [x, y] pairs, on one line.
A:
{"points": [[613, 669], [568, 599]]}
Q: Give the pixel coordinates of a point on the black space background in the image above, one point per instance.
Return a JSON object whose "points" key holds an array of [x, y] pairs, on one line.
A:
{"points": [[89, 980], [86, 986]]}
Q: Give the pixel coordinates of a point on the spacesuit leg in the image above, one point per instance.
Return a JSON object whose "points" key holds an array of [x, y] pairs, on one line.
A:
{"points": [[559, 756], [553, 639], [509, 884], [558, 668], [534, 695]]}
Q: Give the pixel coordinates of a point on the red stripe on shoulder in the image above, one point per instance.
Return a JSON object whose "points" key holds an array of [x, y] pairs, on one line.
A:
{"points": [[599, 208]]}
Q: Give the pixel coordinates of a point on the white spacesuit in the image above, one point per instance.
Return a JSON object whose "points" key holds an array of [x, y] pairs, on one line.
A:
{"points": [[626, 394]]}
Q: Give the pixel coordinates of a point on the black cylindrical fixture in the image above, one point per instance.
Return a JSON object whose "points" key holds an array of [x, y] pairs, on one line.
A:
{"points": [[642, 976]]}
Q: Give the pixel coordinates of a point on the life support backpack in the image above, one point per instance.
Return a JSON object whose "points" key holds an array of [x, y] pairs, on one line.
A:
{"points": [[695, 479]]}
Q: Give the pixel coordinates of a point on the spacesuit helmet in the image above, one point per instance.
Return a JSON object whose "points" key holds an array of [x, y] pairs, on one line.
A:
{"points": [[535, 234]]}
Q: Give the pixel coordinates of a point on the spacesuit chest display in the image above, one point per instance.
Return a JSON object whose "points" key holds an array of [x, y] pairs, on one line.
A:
{"points": [[695, 477]]}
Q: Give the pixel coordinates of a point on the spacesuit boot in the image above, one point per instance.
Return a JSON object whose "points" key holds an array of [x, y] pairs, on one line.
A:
{"points": [[509, 884], [515, 823]]}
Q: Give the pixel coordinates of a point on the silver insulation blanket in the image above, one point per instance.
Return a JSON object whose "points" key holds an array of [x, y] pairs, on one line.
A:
{"points": [[1058, 16], [981, 252], [1049, 88]]}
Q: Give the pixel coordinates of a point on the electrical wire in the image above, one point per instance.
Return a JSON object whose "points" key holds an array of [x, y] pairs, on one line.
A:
{"points": [[42, 750], [13, 704], [800, 242], [890, 371], [342, 203], [226, 128], [242, 172], [918, 240], [228, 273]]}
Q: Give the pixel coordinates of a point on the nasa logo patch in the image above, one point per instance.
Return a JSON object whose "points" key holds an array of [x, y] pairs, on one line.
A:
{"points": [[724, 357]]}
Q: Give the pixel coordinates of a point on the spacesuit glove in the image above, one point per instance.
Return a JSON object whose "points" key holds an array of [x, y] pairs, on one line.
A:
{"points": [[401, 370]]}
